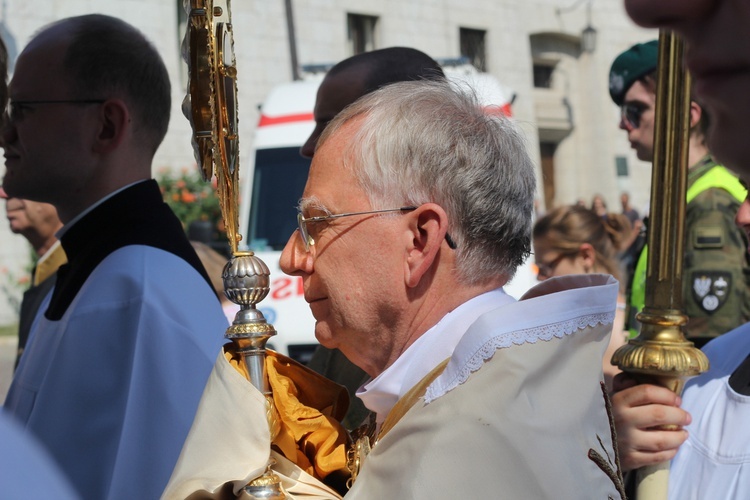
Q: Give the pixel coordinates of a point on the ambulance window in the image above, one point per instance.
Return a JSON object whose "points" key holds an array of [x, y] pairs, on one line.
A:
{"points": [[280, 176]]}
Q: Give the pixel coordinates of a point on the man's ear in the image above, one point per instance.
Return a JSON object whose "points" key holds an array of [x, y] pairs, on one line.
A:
{"points": [[696, 113], [114, 122], [588, 254], [428, 225]]}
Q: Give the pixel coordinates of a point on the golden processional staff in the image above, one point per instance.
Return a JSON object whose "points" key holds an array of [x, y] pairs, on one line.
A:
{"points": [[211, 107], [661, 354]]}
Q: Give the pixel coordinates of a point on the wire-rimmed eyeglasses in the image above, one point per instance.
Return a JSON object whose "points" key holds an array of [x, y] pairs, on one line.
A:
{"points": [[14, 108], [309, 241]]}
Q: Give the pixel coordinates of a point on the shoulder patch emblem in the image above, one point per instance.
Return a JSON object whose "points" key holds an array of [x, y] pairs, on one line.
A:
{"points": [[711, 289]]}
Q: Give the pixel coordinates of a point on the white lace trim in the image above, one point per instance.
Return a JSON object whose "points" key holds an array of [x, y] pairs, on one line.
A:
{"points": [[508, 339]]}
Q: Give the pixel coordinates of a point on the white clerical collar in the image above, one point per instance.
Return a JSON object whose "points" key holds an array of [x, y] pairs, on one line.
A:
{"points": [[435, 345], [80, 216]]}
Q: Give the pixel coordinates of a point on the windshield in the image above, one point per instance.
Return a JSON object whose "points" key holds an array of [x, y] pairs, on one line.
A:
{"points": [[280, 176]]}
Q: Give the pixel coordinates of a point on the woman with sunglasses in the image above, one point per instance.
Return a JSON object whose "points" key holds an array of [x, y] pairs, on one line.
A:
{"points": [[575, 240]]}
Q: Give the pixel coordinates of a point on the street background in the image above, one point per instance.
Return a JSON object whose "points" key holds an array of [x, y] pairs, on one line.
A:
{"points": [[8, 345]]}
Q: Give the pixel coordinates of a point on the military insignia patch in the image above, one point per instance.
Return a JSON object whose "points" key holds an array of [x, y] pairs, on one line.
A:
{"points": [[711, 289]]}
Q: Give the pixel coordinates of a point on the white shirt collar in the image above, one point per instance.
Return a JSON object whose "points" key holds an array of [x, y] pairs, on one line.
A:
{"points": [[435, 345]]}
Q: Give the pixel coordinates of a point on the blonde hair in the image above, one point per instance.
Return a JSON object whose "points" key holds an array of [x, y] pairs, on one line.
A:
{"points": [[566, 228]]}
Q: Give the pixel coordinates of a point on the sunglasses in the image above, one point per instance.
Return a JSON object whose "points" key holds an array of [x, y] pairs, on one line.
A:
{"points": [[631, 114]]}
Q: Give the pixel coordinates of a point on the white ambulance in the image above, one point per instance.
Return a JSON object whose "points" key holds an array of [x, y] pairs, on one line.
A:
{"points": [[274, 183]]}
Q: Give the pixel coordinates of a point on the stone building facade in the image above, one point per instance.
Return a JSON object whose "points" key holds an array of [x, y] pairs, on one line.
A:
{"points": [[534, 47]]}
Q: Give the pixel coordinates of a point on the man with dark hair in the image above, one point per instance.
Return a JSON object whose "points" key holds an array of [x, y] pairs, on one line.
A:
{"points": [[114, 368], [716, 291], [346, 82], [359, 75]]}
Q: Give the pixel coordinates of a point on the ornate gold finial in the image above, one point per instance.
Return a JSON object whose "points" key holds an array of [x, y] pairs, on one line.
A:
{"points": [[660, 353], [246, 282], [267, 486], [211, 102]]}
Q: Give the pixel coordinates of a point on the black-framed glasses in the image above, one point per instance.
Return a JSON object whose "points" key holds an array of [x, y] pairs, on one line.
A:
{"points": [[631, 114], [14, 108], [547, 269], [309, 241]]}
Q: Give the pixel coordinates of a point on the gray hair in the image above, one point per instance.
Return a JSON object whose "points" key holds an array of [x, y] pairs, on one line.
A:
{"points": [[421, 142]]}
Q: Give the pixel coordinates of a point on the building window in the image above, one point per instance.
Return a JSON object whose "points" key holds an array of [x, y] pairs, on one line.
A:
{"points": [[543, 75], [472, 47], [361, 33], [621, 165]]}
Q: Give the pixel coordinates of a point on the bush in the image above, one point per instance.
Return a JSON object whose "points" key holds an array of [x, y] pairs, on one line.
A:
{"points": [[193, 200]]}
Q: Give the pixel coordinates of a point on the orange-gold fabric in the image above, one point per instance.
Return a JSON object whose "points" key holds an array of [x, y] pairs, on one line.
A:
{"points": [[308, 409]]}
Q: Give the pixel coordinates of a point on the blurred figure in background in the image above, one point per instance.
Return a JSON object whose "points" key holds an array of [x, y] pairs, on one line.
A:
{"points": [[599, 206], [627, 210], [575, 240], [632, 246], [38, 223], [214, 263]]}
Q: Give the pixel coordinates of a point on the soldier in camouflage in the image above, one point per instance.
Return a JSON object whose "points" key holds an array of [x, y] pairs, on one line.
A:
{"points": [[716, 271]]}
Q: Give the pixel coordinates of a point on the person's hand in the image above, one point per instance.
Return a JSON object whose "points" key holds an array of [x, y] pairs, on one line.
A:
{"points": [[638, 411]]}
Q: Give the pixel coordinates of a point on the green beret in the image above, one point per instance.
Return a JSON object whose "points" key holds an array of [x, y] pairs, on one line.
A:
{"points": [[637, 61]]}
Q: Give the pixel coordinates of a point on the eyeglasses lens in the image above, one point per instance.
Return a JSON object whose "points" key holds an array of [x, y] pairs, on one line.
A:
{"points": [[632, 115], [306, 239]]}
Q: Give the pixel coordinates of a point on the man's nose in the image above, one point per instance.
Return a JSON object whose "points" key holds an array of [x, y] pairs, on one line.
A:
{"points": [[624, 125], [742, 219], [295, 260], [9, 134]]}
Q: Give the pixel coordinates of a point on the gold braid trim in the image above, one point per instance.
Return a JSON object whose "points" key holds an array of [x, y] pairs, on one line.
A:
{"points": [[363, 437], [409, 399]]}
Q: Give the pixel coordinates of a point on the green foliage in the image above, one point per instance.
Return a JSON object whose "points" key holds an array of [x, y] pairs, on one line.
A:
{"points": [[12, 286], [192, 199], [8, 330]]}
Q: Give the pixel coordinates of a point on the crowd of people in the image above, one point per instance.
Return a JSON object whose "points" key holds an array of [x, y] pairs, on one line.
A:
{"points": [[418, 209]]}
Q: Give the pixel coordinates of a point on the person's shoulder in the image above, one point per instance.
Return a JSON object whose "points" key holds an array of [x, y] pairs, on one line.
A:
{"points": [[715, 198], [132, 260], [25, 465], [153, 276], [728, 350]]}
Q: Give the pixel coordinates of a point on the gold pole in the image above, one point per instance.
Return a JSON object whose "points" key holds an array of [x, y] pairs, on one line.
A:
{"points": [[661, 354], [211, 107]]}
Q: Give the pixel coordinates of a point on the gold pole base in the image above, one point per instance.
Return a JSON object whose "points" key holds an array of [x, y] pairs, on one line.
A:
{"points": [[266, 487]]}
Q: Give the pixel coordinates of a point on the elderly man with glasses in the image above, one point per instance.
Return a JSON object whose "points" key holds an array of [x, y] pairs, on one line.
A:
{"points": [[716, 293], [416, 212]]}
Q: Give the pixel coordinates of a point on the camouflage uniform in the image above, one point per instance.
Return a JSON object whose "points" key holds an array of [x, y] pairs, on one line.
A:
{"points": [[716, 269]]}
